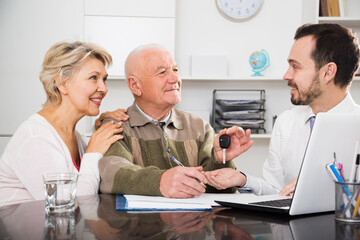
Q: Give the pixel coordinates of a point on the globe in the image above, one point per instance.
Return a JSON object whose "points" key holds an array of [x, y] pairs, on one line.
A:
{"points": [[259, 61]]}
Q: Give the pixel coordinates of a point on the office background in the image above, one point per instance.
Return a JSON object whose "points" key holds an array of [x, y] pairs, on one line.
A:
{"points": [[187, 28]]}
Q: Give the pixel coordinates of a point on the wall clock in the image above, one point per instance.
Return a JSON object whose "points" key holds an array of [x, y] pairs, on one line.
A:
{"points": [[237, 10]]}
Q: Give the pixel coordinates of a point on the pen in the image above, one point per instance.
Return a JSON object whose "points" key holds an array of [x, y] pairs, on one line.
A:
{"points": [[181, 165], [356, 205], [339, 167], [334, 172], [354, 176], [177, 161], [356, 167]]}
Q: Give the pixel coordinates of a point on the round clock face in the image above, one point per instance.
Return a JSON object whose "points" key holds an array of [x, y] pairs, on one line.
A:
{"points": [[238, 9]]}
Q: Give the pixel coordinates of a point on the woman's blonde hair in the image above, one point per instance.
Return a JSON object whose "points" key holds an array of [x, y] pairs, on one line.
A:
{"points": [[62, 60]]}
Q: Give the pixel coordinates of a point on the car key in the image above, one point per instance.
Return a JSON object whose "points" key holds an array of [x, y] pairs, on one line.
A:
{"points": [[224, 142]]}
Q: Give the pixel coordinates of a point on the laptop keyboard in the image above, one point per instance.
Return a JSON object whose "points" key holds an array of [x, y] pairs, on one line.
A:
{"points": [[275, 203]]}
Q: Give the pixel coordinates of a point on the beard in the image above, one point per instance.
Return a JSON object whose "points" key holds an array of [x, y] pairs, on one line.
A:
{"points": [[307, 97]]}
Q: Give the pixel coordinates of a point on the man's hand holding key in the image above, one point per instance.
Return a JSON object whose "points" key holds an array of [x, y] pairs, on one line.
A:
{"points": [[239, 139]]}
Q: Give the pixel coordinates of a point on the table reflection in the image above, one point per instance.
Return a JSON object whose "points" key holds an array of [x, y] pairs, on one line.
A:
{"points": [[22, 221], [60, 225], [96, 218], [347, 231], [106, 223]]}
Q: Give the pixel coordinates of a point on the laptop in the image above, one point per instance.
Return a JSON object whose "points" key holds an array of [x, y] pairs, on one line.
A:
{"points": [[315, 188]]}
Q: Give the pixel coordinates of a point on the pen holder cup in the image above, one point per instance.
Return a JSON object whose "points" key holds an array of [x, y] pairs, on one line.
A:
{"points": [[347, 202]]}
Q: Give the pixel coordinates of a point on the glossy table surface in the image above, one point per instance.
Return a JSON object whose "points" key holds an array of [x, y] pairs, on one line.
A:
{"points": [[96, 218]]}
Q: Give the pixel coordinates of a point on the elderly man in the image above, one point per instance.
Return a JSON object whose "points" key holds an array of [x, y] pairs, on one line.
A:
{"points": [[156, 134], [322, 63]]}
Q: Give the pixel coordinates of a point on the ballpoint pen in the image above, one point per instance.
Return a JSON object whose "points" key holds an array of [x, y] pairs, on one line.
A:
{"points": [[337, 177], [354, 174], [181, 165], [357, 204], [339, 167]]}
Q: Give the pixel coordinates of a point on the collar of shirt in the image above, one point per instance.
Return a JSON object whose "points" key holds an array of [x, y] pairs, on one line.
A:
{"points": [[165, 120], [345, 106], [138, 119]]}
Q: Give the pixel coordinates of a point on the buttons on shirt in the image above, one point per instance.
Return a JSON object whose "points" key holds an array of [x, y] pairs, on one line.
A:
{"points": [[161, 124]]}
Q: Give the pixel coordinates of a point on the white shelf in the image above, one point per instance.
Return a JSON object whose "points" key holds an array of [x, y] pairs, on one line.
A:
{"points": [[116, 77], [227, 78], [260, 136], [190, 78], [347, 21]]}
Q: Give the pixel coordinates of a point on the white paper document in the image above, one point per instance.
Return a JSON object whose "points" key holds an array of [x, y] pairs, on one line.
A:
{"points": [[156, 203]]}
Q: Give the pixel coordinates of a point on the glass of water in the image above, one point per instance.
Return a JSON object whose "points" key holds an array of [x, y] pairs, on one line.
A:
{"points": [[60, 190]]}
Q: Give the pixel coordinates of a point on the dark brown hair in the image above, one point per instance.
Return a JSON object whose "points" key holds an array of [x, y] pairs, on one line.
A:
{"points": [[334, 43]]}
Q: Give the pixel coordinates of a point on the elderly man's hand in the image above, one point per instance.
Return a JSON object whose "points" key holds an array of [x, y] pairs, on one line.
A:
{"points": [[240, 142], [186, 222], [224, 178], [182, 182]]}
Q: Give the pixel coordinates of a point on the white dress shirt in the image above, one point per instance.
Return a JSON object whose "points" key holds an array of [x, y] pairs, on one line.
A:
{"points": [[287, 147]]}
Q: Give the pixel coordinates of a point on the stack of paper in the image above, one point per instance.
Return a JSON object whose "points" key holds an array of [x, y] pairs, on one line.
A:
{"points": [[156, 203], [150, 203]]}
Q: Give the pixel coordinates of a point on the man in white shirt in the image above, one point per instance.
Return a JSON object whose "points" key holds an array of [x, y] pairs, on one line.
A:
{"points": [[322, 64]]}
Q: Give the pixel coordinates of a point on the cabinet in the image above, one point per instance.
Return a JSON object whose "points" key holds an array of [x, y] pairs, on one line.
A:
{"points": [[120, 25]]}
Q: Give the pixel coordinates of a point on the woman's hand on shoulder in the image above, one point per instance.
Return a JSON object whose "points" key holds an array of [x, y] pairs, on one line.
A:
{"points": [[104, 137], [119, 114]]}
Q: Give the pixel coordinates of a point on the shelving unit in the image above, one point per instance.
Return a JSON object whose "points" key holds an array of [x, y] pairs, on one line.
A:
{"points": [[351, 18]]}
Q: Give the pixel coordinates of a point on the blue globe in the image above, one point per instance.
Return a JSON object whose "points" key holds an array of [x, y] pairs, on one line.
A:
{"points": [[259, 61]]}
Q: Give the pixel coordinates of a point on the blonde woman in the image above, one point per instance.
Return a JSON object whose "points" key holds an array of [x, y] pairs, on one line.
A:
{"points": [[73, 76]]}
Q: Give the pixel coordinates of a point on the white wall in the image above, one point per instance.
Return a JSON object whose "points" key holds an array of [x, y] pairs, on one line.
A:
{"points": [[200, 30], [27, 30]]}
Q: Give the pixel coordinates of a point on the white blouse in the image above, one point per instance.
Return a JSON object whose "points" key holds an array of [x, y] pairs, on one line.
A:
{"points": [[36, 148]]}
